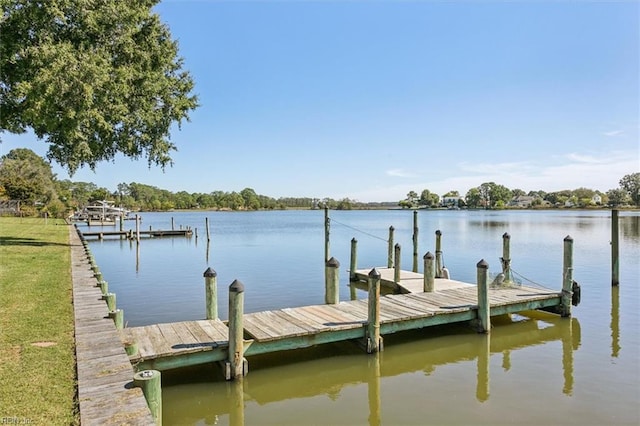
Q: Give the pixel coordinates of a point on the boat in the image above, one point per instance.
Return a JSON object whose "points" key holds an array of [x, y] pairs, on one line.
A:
{"points": [[103, 211]]}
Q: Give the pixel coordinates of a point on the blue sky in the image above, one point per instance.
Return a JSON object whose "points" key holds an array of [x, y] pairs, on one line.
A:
{"points": [[372, 99]]}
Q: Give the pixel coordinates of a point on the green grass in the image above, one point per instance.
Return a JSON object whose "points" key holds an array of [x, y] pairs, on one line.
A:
{"points": [[37, 362]]}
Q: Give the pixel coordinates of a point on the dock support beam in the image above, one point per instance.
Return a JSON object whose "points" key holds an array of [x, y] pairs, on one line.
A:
{"points": [[396, 263], [332, 282], [374, 341], [484, 314], [354, 260], [506, 257], [567, 277], [390, 250], [415, 241], [429, 273], [439, 254], [151, 383], [615, 262], [211, 293], [236, 365]]}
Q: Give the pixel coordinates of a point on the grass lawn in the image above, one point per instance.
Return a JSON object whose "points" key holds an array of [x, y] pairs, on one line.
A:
{"points": [[37, 363]]}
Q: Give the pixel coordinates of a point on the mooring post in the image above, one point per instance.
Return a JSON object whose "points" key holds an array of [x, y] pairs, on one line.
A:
{"points": [[438, 254], [332, 282], [374, 341], [390, 250], [354, 260], [429, 273], [206, 225], [235, 366], [415, 241], [173, 224], [211, 293], [121, 223], [117, 315], [506, 257], [615, 260], [137, 229], [484, 314], [104, 287], [110, 298], [396, 263], [150, 382], [567, 277], [131, 348], [327, 230]]}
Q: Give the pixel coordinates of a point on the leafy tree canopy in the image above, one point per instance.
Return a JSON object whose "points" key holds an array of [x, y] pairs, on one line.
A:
{"points": [[92, 78], [26, 177], [631, 184]]}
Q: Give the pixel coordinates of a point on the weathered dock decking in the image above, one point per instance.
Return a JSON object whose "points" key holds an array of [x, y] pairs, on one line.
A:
{"points": [[410, 282], [167, 346], [104, 371], [148, 233]]}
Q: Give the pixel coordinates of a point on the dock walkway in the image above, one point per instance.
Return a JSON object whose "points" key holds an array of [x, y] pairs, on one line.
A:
{"points": [[148, 233], [167, 346], [410, 282], [104, 371]]}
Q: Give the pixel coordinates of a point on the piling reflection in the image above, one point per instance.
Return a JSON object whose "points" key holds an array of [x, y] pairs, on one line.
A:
{"points": [[333, 377], [615, 321]]}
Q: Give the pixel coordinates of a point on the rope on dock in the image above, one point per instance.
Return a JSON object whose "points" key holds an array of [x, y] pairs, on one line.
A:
{"points": [[359, 230], [534, 284]]}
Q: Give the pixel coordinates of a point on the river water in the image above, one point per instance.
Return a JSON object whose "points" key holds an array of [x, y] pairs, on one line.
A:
{"points": [[531, 369]]}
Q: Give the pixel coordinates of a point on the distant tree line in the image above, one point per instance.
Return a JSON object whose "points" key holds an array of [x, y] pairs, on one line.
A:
{"points": [[28, 178], [495, 196]]}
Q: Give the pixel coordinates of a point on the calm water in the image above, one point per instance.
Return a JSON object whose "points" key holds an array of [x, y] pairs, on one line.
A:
{"points": [[531, 369]]}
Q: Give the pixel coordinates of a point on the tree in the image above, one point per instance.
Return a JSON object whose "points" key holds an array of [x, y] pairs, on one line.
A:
{"points": [[618, 197], [492, 193], [429, 199], [631, 184], [93, 79], [473, 198], [25, 176]]}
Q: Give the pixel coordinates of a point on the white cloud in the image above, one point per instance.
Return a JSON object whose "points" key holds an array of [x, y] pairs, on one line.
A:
{"points": [[400, 173], [613, 133]]}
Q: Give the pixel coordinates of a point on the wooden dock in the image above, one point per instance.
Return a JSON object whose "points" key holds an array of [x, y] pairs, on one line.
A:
{"points": [[410, 282], [104, 371], [132, 234], [174, 345]]}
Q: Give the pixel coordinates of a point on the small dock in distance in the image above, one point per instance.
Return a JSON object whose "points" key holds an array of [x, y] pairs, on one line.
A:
{"points": [[132, 234]]}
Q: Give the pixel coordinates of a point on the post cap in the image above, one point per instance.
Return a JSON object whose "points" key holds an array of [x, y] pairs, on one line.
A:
{"points": [[236, 287], [333, 263], [568, 238], [506, 235], [428, 256], [210, 273], [397, 246], [483, 264], [374, 274], [391, 228], [438, 232], [353, 240]]}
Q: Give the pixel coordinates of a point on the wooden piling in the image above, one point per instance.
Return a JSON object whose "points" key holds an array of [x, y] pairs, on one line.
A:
{"points": [[206, 225], [484, 315], [117, 315], [353, 265], [429, 273], [235, 366], [332, 282], [151, 383], [137, 229], [567, 277], [121, 223], [327, 234], [173, 224], [110, 298], [131, 348], [396, 263], [211, 293], [439, 263], [390, 250], [615, 259], [374, 341], [104, 287], [506, 257], [415, 241]]}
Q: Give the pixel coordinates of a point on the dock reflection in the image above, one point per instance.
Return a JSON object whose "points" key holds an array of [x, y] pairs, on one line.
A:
{"points": [[206, 402]]}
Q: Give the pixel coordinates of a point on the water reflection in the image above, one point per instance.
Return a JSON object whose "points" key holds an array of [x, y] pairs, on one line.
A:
{"points": [[225, 403], [615, 321]]}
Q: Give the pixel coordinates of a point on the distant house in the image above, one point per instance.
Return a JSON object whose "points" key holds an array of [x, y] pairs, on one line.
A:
{"points": [[522, 201], [450, 201], [596, 199]]}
